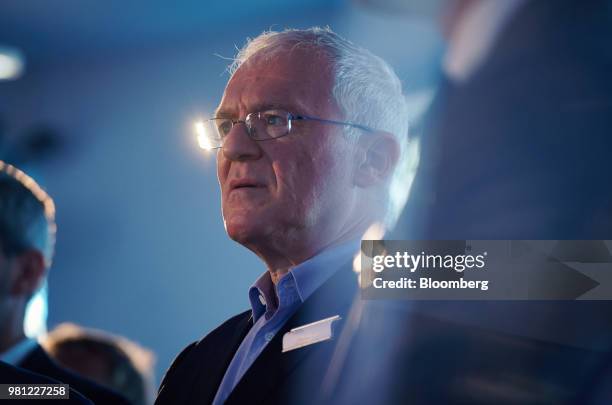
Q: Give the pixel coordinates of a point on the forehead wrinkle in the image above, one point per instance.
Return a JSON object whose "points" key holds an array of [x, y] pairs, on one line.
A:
{"points": [[261, 100], [297, 87]]}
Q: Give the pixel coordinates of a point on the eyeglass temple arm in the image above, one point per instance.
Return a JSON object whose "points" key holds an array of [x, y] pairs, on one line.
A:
{"points": [[350, 124]]}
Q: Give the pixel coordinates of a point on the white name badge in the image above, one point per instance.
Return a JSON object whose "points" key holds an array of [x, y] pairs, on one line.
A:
{"points": [[308, 334]]}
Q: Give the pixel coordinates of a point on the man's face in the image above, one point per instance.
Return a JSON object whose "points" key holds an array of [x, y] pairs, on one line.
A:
{"points": [[297, 187]]}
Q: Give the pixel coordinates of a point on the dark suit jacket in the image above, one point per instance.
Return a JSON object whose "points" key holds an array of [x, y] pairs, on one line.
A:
{"points": [[293, 377], [14, 375], [522, 149], [39, 362]]}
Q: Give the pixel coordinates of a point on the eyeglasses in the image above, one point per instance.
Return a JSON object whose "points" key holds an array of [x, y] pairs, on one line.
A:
{"points": [[260, 126]]}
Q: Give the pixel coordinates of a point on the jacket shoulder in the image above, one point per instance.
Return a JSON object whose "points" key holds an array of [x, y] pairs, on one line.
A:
{"points": [[14, 375], [98, 394], [182, 357], [226, 326]]}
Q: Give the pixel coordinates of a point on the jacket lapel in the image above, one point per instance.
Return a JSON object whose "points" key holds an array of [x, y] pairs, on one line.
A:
{"points": [[215, 353], [272, 366]]}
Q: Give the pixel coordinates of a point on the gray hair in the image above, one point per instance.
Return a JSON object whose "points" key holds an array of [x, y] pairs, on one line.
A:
{"points": [[27, 214], [366, 89]]}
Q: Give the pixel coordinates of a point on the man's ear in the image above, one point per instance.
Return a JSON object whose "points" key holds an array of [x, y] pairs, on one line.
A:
{"points": [[30, 272], [380, 152]]}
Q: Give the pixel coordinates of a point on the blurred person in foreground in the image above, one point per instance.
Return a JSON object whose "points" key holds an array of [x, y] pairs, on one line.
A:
{"points": [[309, 134], [516, 145], [109, 360], [516, 142], [27, 239]]}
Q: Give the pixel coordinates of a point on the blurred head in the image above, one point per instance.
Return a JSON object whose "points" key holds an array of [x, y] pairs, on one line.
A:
{"points": [[321, 183], [109, 360], [27, 239]]}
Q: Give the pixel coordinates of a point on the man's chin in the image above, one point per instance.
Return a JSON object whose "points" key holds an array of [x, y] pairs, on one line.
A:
{"points": [[242, 231]]}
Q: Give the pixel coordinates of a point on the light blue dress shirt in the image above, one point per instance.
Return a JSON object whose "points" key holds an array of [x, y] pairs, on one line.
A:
{"points": [[272, 306]]}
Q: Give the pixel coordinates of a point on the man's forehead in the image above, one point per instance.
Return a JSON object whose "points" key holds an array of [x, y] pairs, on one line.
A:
{"points": [[261, 92], [280, 80]]}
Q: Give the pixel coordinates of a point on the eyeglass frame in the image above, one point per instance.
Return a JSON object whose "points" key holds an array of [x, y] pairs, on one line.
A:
{"points": [[290, 117]]}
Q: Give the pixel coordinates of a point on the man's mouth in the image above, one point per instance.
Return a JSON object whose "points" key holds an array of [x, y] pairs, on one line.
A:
{"points": [[245, 184]]}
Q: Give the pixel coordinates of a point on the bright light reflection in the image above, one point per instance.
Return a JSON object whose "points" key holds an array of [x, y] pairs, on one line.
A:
{"points": [[35, 323], [203, 140], [11, 64], [376, 231]]}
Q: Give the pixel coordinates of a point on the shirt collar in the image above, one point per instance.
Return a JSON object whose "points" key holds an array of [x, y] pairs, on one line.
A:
{"points": [[18, 352], [303, 279], [262, 296]]}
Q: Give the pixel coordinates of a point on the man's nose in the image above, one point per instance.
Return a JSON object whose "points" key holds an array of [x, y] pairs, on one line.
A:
{"points": [[238, 145]]}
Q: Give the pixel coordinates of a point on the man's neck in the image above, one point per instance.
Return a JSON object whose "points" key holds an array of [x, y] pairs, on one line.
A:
{"points": [[278, 268], [283, 252], [11, 329]]}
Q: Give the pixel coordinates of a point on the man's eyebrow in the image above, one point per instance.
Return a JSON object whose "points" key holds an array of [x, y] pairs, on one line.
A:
{"points": [[264, 106], [271, 106], [220, 113]]}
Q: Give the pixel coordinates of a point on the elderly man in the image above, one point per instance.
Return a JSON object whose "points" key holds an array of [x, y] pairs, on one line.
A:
{"points": [[309, 133], [27, 239]]}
